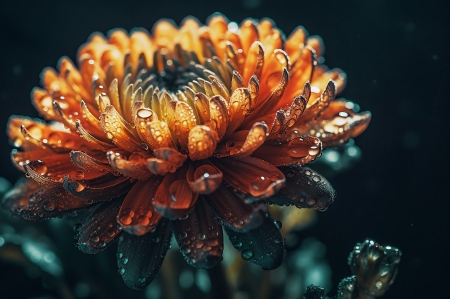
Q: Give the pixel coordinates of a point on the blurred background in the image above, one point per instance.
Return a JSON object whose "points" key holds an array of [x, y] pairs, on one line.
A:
{"points": [[396, 56]]}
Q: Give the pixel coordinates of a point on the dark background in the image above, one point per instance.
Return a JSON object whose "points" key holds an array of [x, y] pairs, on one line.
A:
{"points": [[396, 56]]}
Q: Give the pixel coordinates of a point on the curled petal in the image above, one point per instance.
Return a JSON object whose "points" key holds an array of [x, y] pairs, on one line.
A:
{"points": [[174, 197], [137, 215], [202, 142], [204, 179], [139, 258], [263, 246], [135, 167], [251, 176], [233, 210], [181, 121], [88, 163], [299, 150], [304, 189], [167, 160], [338, 123], [200, 237], [239, 107], [17, 199], [313, 111], [219, 115], [99, 189], [100, 228], [244, 143]]}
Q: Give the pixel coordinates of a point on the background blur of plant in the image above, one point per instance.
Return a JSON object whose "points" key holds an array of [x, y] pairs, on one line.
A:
{"points": [[396, 58]]}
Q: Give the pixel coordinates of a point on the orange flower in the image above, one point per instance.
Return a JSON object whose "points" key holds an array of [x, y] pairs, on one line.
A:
{"points": [[187, 130]]}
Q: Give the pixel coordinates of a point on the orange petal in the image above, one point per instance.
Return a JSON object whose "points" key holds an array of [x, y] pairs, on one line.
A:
{"points": [[313, 111], [202, 142], [204, 178], [174, 197], [299, 150], [244, 143], [137, 215], [167, 160], [88, 163], [239, 107], [296, 42], [135, 167], [119, 130], [251, 175]]}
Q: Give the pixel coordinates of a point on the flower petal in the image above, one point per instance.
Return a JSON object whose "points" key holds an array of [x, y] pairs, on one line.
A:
{"points": [[53, 203], [139, 258], [88, 163], [167, 160], [17, 199], [299, 150], [98, 189], [135, 167], [305, 189], [313, 110], [137, 215], [200, 237], [251, 176], [337, 124], [174, 197], [233, 210], [202, 142], [263, 246], [100, 228], [204, 178]]}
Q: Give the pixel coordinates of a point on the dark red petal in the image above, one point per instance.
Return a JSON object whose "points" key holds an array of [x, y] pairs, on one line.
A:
{"points": [[251, 176], [88, 163], [304, 189], [299, 150], [139, 258], [53, 203], [200, 237], [167, 160], [137, 215], [100, 228], [98, 189], [204, 177], [263, 246], [17, 199], [134, 167], [174, 197], [233, 211]]}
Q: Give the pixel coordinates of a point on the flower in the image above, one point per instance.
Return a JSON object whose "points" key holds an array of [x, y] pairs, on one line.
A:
{"points": [[188, 130]]}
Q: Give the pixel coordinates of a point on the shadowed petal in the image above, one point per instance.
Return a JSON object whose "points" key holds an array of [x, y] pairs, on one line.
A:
{"points": [[17, 199], [200, 237], [139, 258], [137, 215], [251, 175], [263, 246], [304, 189], [53, 203], [233, 210], [100, 228]]}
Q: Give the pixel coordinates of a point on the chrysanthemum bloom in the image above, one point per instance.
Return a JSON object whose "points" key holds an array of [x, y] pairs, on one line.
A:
{"points": [[188, 130]]}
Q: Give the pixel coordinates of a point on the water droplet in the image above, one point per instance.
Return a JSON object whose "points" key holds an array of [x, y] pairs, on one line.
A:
{"points": [[95, 239], [201, 236], [144, 113], [314, 151], [38, 166], [278, 224], [156, 239], [277, 240], [119, 255], [49, 206], [125, 261], [311, 201], [246, 254], [121, 271], [259, 186], [378, 284], [144, 146], [143, 220], [79, 186], [238, 245], [109, 135], [316, 178]]}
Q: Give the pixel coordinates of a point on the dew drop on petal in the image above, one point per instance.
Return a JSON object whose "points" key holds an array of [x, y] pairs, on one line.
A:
{"points": [[38, 166], [144, 113], [80, 174], [246, 254]]}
